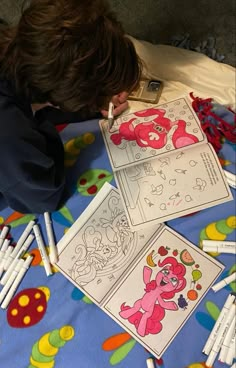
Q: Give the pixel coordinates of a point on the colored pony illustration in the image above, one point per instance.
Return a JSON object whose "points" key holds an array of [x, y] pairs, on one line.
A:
{"points": [[147, 312], [153, 133]]}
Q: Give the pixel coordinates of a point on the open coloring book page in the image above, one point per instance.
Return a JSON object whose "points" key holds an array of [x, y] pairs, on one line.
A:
{"points": [[167, 188], [100, 246], [162, 289], [159, 130], [148, 281]]}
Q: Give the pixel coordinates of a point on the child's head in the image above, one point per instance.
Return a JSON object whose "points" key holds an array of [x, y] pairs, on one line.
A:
{"points": [[72, 53]]}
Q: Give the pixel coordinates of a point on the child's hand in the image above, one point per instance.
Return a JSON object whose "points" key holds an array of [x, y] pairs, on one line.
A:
{"points": [[120, 104]]}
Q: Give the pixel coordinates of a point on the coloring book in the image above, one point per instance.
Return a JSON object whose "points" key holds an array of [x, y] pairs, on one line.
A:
{"points": [[149, 281], [163, 165]]}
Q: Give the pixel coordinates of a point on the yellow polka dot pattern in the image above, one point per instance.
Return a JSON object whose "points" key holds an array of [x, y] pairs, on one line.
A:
{"points": [[14, 312], [40, 308], [23, 300], [26, 320]]}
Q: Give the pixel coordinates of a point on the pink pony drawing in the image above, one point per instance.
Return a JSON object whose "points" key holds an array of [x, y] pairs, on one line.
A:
{"points": [[148, 311], [153, 133]]}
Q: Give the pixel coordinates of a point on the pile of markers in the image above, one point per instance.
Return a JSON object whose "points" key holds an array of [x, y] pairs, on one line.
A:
{"points": [[13, 265], [222, 339]]}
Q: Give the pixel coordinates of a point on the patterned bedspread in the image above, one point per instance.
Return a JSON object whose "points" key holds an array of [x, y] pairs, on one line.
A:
{"points": [[49, 323]]}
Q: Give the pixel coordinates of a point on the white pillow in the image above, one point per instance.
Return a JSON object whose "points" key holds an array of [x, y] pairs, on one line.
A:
{"points": [[184, 71]]}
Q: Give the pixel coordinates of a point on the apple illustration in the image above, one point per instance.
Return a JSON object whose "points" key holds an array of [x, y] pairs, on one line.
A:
{"points": [[162, 251]]}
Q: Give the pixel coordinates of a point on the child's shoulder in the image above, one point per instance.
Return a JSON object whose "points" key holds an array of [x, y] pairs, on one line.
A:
{"points": [[6, 88]]}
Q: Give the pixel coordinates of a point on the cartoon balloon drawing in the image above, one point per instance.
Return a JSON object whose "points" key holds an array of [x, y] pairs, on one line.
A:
{"points": [[192, 163], [47, 347], [188, 198], [163, 206], [196, 274]]}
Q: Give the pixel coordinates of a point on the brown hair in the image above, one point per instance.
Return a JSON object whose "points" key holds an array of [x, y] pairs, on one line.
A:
{"points": [[72, 53]]}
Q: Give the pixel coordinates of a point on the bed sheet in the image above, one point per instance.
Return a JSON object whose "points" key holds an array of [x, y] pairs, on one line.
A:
{"points": [[49, 323]]}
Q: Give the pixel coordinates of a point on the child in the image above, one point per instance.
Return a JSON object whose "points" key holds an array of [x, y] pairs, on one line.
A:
{"points": [[73, 57]]}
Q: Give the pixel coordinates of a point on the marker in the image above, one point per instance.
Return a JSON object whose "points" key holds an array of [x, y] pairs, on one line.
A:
{"points": [[17, 282], [7, 286], [4, 259], [231, 183], [3, 235], [42, 250], [231, 352], [150, 363], [219, 246], [224, 282], [220, 336], [53, 255], [13, 261], [212, 337], [4, 248], [23, 238], [231, 178], [226, 343], [230, 175], [110, 115]]}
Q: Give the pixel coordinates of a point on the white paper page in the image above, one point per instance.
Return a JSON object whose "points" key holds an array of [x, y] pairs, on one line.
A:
{"points": [[99, 247], [164, 189], [162, 290], [158, 130]]}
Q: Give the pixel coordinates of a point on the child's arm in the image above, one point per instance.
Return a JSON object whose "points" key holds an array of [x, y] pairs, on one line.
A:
{"points": [[33, 182], [57, 116]]}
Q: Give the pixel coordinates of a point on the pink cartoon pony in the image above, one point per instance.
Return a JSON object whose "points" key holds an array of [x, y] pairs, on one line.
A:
{"points": [[169, 280], [153, 133]]}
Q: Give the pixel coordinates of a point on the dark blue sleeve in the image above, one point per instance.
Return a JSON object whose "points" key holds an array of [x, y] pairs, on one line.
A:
{"points": [[57, 116], [32, 181]]}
